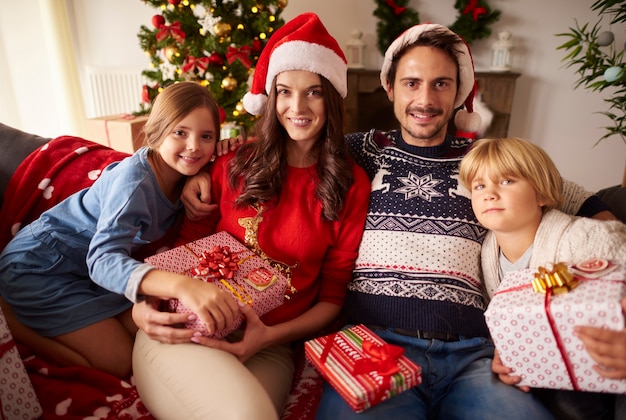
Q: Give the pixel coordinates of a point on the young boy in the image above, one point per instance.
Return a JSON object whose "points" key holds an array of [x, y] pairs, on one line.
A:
{"points": [[515, 191]]}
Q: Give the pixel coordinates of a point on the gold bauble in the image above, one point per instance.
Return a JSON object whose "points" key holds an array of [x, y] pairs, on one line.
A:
{"points": [[170, 52], [222, 29], [282, 3], [229, 83], [240, 108]]}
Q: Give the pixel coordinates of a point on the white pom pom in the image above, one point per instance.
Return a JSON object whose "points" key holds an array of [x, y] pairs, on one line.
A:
{"points": [[468, 122], [254, 104]]}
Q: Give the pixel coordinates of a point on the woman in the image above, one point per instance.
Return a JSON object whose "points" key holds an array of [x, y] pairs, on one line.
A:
{"points": [[295, 197]]}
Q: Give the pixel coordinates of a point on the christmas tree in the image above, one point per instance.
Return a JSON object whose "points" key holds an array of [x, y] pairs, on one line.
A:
{"points": [[213, 42]]}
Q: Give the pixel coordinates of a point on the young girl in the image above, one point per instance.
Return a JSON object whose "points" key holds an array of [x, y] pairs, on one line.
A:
{"points": [[515, 189], [295, 197], [70, 276]]}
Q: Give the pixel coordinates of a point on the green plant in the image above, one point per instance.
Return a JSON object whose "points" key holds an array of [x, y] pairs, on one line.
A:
{"points": [[599, 64]]}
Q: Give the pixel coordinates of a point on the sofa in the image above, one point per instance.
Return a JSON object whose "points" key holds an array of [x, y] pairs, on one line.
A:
{"points": [[81, 392]]}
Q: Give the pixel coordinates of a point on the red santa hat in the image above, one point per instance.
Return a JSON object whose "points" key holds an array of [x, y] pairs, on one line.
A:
{"points": [[303, 43], [465, 120]]}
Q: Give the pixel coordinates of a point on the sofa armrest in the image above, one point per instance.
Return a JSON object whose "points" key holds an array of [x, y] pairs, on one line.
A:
{"points": [[15, 145]]}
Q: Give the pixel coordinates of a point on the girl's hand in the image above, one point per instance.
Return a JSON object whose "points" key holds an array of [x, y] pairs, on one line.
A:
{"points": [[214, 306], [160, 326], [504, 373], [256, 337]]}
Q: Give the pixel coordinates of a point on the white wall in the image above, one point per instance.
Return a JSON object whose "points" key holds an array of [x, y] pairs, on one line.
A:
{"points": [[546, 109]]}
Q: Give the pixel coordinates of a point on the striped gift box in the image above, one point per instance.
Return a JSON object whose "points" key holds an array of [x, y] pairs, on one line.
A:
{"points": [[363, 368]]}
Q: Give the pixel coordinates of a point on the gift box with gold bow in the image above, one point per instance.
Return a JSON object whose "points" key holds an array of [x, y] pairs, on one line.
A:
{"points": [[363, 368], [532, 317], [223, 260]]}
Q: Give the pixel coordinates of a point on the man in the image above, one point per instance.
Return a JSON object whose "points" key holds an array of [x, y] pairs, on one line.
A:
{"points": [[417, 280]]}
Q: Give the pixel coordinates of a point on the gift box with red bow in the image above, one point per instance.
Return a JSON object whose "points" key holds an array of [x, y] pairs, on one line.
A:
{"points": [[532, 317], [223, 260], [17, 396], [362, 367]]}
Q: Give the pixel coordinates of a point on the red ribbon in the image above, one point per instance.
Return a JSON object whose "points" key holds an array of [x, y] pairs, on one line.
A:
{"points": [[242, 54], [472, 7], [220, 262], [382, 359], [398, 10], [172, 30], [191, 63], [559, 341]]}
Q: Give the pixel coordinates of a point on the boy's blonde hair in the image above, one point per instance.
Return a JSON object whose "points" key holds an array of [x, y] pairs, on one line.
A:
{"points": [[515, 157]]}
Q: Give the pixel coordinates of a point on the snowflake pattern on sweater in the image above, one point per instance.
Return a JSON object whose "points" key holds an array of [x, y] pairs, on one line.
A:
{"points": [[419, 260]]}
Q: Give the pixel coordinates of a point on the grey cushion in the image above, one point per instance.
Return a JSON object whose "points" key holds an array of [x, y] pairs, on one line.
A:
{"points": [[615, 198], [15, 145]]}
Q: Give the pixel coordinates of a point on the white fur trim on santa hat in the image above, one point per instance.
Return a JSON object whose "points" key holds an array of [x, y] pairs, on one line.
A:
{"points": [[467, 122], [300, 55]]}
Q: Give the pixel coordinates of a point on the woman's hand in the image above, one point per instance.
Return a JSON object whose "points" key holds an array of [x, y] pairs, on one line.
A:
{"points": [[256, 337], [161, 326], [606, 347], [504, 373]]}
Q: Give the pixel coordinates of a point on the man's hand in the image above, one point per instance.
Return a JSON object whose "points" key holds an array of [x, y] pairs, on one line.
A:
{"points": [[196, 196], [231, 144]]}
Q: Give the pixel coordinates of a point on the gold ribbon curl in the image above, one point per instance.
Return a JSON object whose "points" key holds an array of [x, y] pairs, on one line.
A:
{"points": [[558, 280]]}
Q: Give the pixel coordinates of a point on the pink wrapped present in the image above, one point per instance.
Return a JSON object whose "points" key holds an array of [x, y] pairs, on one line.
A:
{"points": [[223, 260], [362, 367], [17, 396], [533, 330]]}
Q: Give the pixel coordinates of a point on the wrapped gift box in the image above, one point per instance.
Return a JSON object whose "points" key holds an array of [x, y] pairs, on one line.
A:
{"points": [[120, 132], [17, 396], [223, 260], [533, 331], [362, 367]]}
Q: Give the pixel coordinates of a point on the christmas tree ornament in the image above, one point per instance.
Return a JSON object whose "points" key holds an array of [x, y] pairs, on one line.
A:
{"points": [[174, 2], [605, 38], [613, 74], [229, 82], [215, 59], [222, 29], [240, 108], [171, 53], [158, 21], [282, 3]]}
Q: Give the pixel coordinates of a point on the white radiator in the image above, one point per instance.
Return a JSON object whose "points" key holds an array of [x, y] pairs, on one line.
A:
{"points": [[112, 91]]}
